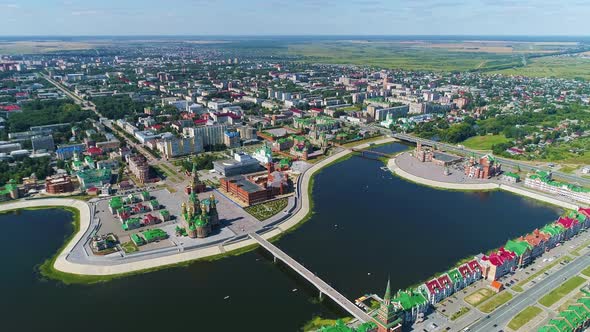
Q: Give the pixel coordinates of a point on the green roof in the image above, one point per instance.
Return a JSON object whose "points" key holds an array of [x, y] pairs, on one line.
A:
{"points": [[512, 175], [165, 212], [579, 310], [131, 221], [517, 247], [551, 229], [116, 202], [455, 276], [410, 298], [154, 234], [137, 239], [561, 324], [546, 178], [548, 329], [571, 317], [10, 186]]}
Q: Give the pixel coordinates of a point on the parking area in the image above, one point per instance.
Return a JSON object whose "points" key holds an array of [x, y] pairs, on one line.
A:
{"points": [[233, 219]]}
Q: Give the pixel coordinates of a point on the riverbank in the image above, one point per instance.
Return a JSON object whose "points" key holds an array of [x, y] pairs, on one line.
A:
{"points": [[394, 168], [59, 267]]}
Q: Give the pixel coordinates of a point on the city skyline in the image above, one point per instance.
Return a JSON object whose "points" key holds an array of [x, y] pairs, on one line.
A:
{"points": [[281, 17]]}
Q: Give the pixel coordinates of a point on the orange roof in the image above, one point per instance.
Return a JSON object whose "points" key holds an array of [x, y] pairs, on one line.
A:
{"points": [[536, 238], [497, 285]]}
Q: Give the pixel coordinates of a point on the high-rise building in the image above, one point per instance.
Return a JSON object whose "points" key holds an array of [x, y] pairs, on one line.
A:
{"points": [[171, 146], [210, 135], [43, 142], [139, 167], [231, 139]]}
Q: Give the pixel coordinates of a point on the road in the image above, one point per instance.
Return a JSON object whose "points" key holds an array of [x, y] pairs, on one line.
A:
{"points": [[529, 297], [326, 289], [88, 105]]}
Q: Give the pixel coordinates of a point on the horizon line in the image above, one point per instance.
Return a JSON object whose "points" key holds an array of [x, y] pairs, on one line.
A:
{"points": [[295, 35]]}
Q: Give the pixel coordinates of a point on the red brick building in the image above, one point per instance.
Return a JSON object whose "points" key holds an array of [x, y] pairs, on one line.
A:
{"points": [[59, 184], [257, 189]]}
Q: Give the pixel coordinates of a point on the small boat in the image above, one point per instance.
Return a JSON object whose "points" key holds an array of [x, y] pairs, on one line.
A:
{"points": [[294, 290], [368, 273], [225, 298]]}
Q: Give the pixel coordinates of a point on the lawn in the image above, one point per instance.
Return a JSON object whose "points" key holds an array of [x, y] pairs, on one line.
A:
{"points": [[561, 291], [576, 250], [496, 301], [460, 313], [129, 247], [524, 317], [318, 322], [392, 54], [479, 296], [586, 271], [266, 210], [560, 67], [484, 142]]}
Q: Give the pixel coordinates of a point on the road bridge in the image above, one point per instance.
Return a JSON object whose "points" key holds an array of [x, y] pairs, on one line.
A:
{"points": [[323, 287]]}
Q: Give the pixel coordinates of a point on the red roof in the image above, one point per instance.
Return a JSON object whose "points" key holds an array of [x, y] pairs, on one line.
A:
{"points": [[500, 257], [315, 109], [465, 271], [156, 126], [444, 281], [94, 151], [474, 266], [433, 286], [10, 108], [567, 222], [585, 211], [200, 121]]}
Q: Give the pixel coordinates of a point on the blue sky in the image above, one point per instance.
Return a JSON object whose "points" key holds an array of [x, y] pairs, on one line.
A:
{"points": [[294, 17]]}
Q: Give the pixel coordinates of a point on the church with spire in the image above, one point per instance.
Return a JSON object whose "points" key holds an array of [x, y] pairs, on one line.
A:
{"points": [[389, 315], [199, 218], [195, 184]]}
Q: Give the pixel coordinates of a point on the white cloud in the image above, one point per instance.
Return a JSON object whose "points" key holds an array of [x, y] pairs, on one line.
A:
{"points": [[85, 12], [9, 5]]}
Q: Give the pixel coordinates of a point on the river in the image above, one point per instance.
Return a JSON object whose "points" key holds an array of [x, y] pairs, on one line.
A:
{"points": [[367, 225]]}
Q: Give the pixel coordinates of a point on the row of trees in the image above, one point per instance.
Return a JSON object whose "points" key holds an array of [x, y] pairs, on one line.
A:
{"points": [[39, 113], [40, 166], [118, 107]]}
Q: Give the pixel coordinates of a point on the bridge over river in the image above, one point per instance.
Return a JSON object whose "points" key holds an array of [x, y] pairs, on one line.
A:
{"points": [[324, 288]]}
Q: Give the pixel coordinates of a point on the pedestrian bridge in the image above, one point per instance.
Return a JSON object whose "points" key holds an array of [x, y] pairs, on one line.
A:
{"points": [[323, 287]]}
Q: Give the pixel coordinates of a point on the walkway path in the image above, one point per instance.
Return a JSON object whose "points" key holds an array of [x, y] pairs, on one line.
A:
{"points": [[153, 261], [393, 167], [324, 288]]}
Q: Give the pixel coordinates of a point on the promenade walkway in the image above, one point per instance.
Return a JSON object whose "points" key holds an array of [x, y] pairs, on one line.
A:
{"points": [[170, 258], [313, 279]]}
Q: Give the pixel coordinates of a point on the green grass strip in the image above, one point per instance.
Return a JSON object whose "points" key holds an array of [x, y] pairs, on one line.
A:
{"points": [[524, 317], [494, 302], [561, 291]]}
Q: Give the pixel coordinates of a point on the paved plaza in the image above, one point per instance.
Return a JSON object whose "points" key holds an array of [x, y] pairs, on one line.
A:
{"points": [[431, 171]]}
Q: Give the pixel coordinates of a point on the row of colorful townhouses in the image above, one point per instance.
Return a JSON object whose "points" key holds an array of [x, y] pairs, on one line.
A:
{"points": [[575, 318], [523, 250], [451, 282], [413, 303]]}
